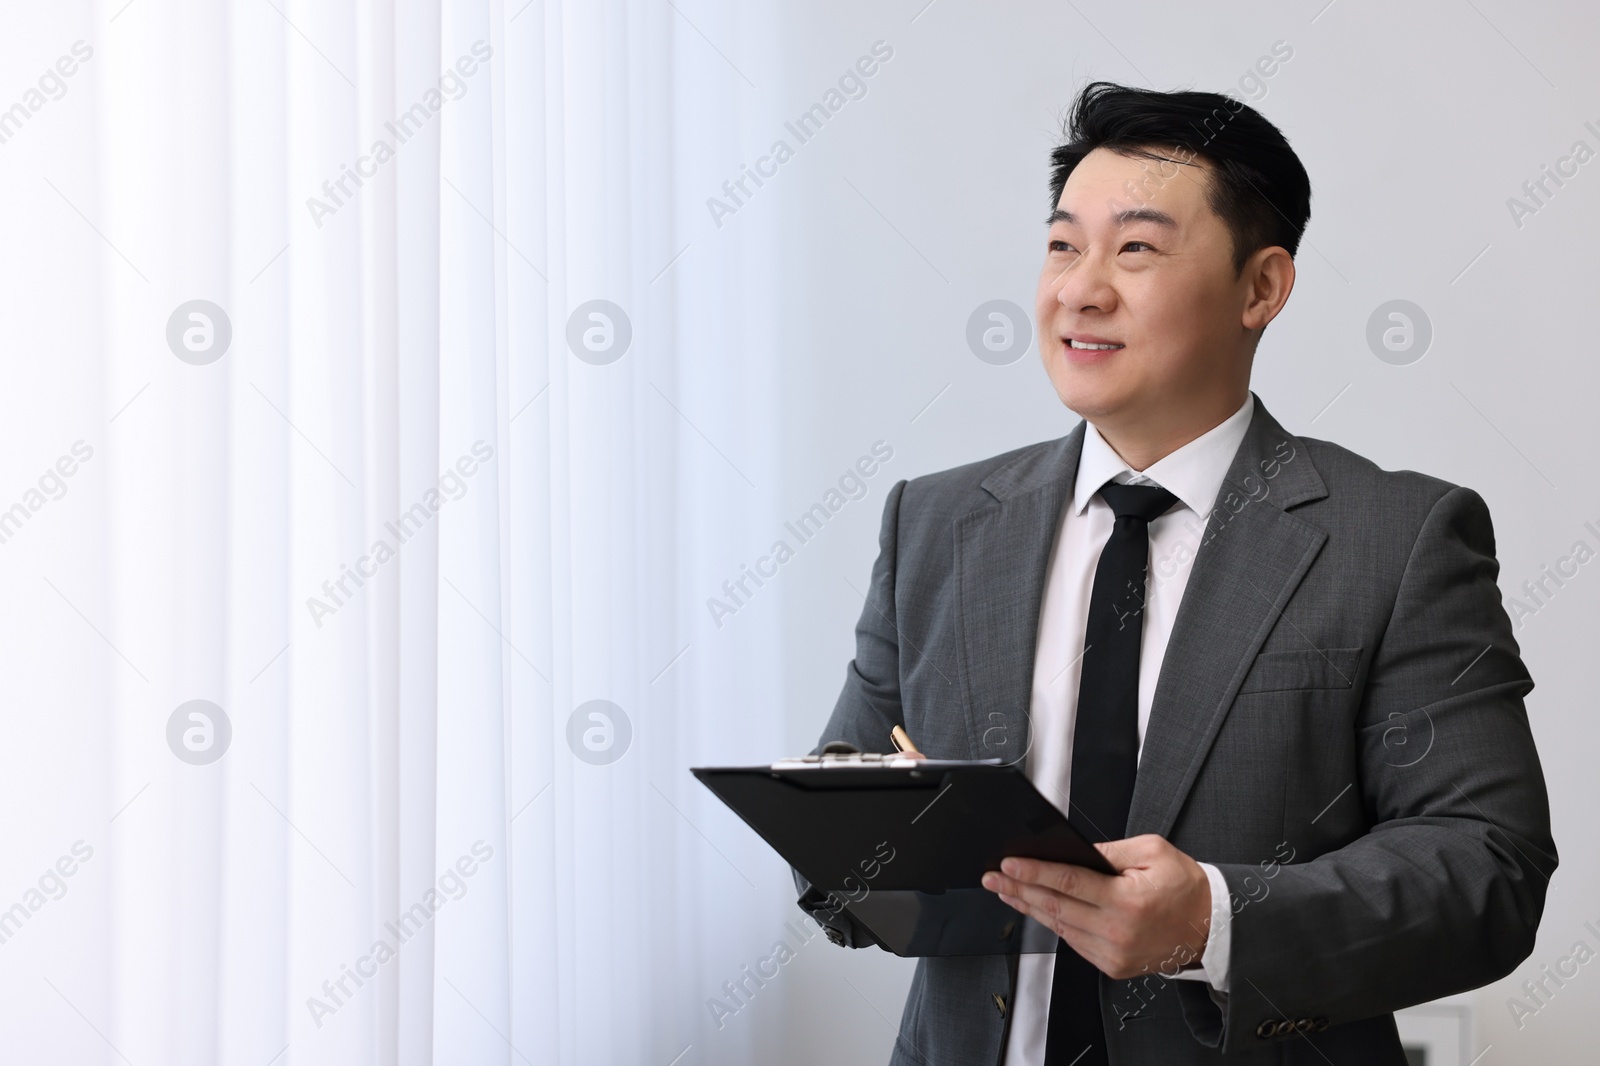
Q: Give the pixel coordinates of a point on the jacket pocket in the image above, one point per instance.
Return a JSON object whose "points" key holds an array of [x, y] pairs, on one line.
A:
{"points": [[1276, 671]]}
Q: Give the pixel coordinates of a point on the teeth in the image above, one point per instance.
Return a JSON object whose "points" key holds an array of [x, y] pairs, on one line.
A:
{"points": [[1094, 347]]}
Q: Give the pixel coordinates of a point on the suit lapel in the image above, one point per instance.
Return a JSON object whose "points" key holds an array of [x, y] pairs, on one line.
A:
{"points": [[1244, 573], [1002, 552]]}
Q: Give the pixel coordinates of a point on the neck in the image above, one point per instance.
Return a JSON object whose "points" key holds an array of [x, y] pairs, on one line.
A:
{"points": [[1143, 442]]}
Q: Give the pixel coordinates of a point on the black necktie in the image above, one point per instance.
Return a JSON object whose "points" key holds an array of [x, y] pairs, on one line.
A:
{"points": [[1105, 745]]}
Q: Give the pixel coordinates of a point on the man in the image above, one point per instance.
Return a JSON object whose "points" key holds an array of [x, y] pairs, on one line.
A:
{"points": [[1272, 681]]}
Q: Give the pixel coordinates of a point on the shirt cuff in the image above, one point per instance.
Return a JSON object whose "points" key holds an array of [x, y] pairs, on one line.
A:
{"points": [[1214, 959]]}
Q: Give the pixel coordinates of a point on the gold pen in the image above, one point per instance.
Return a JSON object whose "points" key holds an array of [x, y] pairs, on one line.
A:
{"points": [[902, 741]]}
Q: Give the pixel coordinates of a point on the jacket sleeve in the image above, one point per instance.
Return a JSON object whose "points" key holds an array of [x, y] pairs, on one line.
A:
{"points": [[1445, 890], [868, 706]]}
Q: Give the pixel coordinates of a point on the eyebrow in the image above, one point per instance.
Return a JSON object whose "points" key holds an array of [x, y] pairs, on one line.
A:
{"points": [[1122, 218]]}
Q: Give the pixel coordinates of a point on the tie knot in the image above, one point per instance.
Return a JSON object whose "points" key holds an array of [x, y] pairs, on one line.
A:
{"points": [[1144, 502]]}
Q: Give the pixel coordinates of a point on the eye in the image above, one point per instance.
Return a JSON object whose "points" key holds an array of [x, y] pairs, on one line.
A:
{"points": [[1059, 245]]}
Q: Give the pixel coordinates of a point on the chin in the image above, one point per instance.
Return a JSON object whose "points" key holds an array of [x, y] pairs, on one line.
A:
{"points": [[1093, 412], [1086, 396]]}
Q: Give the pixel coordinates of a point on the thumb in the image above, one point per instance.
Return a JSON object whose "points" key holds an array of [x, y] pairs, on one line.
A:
{"points": [[1118, 853]]}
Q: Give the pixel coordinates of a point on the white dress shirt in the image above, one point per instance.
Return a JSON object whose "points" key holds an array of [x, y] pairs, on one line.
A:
{"points": [[1194, 475]]}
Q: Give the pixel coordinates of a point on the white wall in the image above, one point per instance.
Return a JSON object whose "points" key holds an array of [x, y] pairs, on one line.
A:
{"points": [[1416, 123]]}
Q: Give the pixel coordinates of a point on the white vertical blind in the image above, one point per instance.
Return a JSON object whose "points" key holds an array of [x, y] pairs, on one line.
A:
{"points": [[394, 535]]}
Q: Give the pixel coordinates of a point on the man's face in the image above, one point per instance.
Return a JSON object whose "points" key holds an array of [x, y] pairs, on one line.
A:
{"points": [[1137, 257]]}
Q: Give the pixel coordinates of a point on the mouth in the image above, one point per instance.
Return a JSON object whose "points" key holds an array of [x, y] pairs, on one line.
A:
{"points": [[1087, 350], [1091, 344]]}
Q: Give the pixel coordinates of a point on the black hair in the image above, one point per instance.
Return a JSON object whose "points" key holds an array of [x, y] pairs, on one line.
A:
{"points": [[1258, 185]]}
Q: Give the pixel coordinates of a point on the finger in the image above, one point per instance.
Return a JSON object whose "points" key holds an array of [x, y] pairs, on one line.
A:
{"points": [[1139, 851], [1051, 908], [1137, 858], [1065, 878], [1039, 913], [1116, 853]]}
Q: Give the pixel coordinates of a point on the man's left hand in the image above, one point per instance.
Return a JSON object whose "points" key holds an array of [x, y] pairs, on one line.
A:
{"points": [[1153, 916]]}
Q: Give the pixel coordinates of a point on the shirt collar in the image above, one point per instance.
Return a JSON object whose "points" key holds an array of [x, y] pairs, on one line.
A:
{"points": [[1193, 473]]}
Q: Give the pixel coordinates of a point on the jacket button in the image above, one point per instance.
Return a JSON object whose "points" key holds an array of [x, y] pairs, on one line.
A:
{"points": [[1000, 1003], [1284, 1027], [1267, 1028], [1319, 1023], [1304, 1025]]}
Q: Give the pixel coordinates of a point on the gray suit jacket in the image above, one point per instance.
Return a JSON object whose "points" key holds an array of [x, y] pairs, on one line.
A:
{"points": [[1338, 726]]}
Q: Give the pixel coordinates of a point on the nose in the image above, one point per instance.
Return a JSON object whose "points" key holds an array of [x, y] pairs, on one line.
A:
{"points": [[1084, 284]]}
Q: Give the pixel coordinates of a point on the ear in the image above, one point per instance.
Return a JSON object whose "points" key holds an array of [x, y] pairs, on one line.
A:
{"points": [[1268, 277]]}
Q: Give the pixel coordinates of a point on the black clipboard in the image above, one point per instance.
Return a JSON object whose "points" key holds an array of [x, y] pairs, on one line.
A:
{"points": [[902, 845]]}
